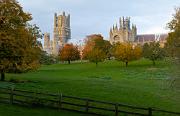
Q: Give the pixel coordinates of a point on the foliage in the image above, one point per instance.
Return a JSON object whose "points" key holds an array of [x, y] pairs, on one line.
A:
{"points": [[173, 40], [19, 48], [153, 51], [173, 47], [69, 53], [96, 49], [47, 59], [96, 55], [126, 52], [90, 43]]}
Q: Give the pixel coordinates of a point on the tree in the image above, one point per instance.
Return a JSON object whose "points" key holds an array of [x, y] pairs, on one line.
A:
{"points": [[69, 53], [173, 47], [126, 52], [153, 51], [19, 48], [47, 59], [91, 41], [173, 40], [96, 55], [96, 49]]}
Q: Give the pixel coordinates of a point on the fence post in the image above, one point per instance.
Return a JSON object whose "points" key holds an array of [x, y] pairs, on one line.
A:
{"points": [[149, 111], [116, 109], [60, 100], [87, 105], [11, 95]]}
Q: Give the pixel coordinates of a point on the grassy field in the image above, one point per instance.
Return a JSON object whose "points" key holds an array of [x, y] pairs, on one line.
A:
{"points": [[139, 84], [9, 110]]}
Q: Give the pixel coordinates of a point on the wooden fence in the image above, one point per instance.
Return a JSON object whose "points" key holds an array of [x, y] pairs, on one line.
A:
{"points": [[60, 101]]}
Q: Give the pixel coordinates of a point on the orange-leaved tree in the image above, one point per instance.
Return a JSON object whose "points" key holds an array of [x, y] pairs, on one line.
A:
{"points": [[127, 52], [96, 49], [69, 53]]}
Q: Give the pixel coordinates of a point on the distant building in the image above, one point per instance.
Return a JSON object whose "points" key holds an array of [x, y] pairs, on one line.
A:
{"points": [[147, 38], [126, 33], [61, 34], [47, 45]]}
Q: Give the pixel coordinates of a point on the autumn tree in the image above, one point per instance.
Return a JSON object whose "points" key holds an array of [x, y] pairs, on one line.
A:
{"points": [[19, 48], [69, 53], [126, 52], [96, 49], [90, 42], [153, 51]]}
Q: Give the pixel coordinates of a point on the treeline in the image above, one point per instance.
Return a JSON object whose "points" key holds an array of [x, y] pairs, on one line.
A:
{"points": [[97, 49]]}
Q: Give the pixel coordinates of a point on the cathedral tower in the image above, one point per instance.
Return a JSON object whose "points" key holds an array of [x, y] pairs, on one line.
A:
{"points": [[62, 31], [47, 42], [123, 33]]}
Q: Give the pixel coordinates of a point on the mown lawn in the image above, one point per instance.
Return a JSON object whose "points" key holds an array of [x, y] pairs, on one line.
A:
{"points": [[139, 84]]}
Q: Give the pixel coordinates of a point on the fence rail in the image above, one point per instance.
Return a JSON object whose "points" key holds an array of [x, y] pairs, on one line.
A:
{"points": [[60, 101]]}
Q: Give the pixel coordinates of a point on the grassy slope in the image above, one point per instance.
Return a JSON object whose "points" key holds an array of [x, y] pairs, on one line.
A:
{"points": [[139, 84]]}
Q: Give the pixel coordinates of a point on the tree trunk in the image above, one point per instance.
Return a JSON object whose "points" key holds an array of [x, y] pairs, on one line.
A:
{"points": [[154, 63], [126, 64], [96, 64], [2, 75], [69, 62]]}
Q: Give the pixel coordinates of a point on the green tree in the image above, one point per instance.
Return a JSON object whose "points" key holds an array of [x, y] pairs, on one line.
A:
{"points": [[69, 53], [126, 52], [173, 47], [153, 51], [96, 55], [47, 59], [19, 48], [173, 40]]}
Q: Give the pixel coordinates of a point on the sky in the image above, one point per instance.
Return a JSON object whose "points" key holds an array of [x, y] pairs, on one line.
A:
{"points": [[98, 16]]}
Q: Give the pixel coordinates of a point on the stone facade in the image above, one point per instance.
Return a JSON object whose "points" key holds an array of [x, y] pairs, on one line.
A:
{"points": [[124, 32], [62, 31], [127, 33], [47, 46], [61, 34]]}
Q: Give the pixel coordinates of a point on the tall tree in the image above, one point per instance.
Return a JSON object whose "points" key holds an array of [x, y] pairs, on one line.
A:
{"points": [[126, 52], [19, 48], [69, 53], [153, 51], [173, 40], [173, 47]]}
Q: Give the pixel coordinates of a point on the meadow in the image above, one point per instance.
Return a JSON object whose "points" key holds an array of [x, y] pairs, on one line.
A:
{"points": [[139, 84]]}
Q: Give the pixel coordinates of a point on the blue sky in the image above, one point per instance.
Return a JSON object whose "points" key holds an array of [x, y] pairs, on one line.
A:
{"points": [[97, 16]]}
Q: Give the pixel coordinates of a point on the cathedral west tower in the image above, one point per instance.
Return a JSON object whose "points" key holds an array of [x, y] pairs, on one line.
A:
{"points": [[61, 31]]}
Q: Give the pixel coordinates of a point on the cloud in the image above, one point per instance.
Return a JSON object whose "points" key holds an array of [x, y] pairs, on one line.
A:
{"points": [[97, 16]]}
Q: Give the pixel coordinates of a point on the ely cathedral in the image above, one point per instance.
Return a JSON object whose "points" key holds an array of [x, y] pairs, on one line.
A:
{"points": [[124, 32], [61, 34]]}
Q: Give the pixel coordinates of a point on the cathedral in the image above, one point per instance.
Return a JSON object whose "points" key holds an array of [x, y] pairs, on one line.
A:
{"points": [[127, 33], [124, 32], [61, 34]]}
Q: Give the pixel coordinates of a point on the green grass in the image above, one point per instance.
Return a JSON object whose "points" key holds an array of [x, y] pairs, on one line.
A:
{"points": [[9, 110], [139, 84]]}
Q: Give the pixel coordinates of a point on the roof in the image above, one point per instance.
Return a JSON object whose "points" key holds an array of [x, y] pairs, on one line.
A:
{"points": [[151, 37]]}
